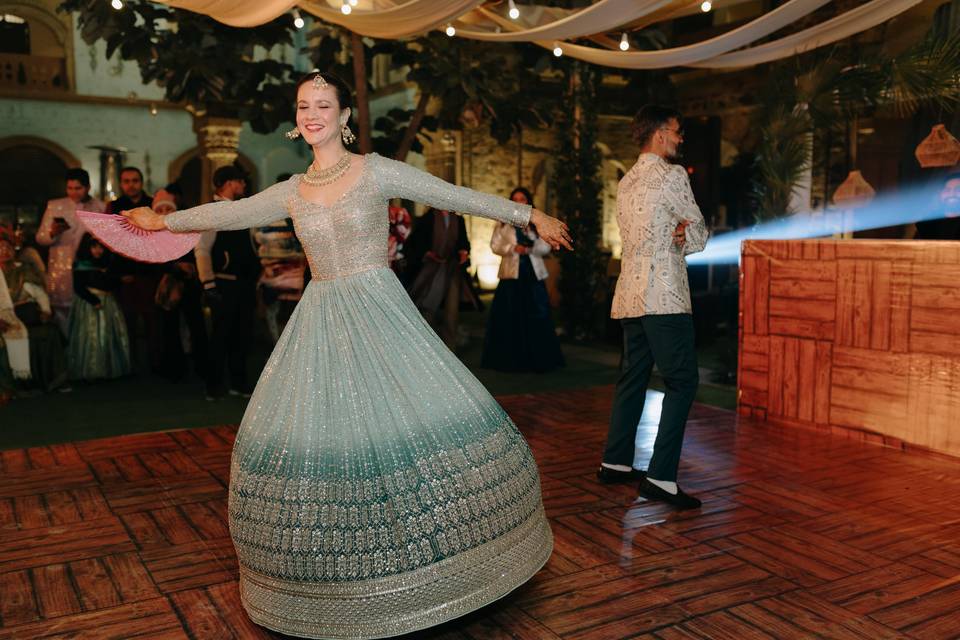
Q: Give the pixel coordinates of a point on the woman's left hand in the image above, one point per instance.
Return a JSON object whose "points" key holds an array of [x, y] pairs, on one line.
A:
{"points": [[552, 231]]}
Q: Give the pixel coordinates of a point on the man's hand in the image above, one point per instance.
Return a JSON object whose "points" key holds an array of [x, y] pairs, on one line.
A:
{"points": [[58, 228], [680, 233], [432, 257]]}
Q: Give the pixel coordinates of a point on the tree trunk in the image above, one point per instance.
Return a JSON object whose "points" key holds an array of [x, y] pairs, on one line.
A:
{"points": [[411, 133], [363, 98]]}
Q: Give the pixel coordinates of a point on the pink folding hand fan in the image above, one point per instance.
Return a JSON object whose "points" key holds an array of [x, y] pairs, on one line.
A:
{"points": [[146, 246]]}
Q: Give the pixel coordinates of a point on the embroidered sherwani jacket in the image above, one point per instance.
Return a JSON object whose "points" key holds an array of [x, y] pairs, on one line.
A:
{"points": [[652, 198]]}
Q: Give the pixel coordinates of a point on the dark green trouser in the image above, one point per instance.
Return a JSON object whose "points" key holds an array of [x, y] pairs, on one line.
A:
{"points": [[666, 340]]}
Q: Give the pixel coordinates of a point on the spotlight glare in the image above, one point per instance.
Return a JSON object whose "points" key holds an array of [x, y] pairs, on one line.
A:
{"points": [[354, 3], [116, 4], [514, 13], [298, 20], [345, 9], [557, 51], [451, 31], [706, 5], [624, 43]]}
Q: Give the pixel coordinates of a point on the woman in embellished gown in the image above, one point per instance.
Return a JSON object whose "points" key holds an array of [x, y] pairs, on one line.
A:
{"points": [[376, 488]]}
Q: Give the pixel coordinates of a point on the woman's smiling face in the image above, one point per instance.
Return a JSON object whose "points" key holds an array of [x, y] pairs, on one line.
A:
{"points": [[319, 117]]}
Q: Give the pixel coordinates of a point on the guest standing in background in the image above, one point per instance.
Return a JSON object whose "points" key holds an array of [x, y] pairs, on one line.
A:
{"points": [[98, 347], [229, 269], [61, 230], [439, 254], [138, 282], [520, 334]]}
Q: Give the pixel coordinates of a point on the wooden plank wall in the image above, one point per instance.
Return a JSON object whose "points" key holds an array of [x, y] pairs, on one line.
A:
{"points": [[858, 336]]}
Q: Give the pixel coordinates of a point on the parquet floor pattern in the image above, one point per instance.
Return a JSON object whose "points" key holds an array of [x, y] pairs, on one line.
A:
{"points": [[802, 535]]}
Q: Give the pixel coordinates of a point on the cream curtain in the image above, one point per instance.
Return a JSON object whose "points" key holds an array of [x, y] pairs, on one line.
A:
{"points": [[846, 24], [598, 18], [236, 13], [390, 19], [400, 21], [680, 56]]}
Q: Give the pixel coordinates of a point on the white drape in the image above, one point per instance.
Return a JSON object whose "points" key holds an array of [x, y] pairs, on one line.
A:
{"points": [[236, 13], [864, 17], [401, 21], [602, 16], [391, 19], [14, 336]]}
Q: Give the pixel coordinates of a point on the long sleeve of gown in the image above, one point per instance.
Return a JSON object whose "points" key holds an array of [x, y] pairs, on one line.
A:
{"points": [[258, 210], [400, 180]]}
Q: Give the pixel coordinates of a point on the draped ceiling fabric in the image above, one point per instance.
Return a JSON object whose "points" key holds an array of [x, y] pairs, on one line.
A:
{"points": [[547, 27]]}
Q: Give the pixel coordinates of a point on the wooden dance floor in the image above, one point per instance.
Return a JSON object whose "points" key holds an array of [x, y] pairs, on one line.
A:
{"points": [[801, 535]]}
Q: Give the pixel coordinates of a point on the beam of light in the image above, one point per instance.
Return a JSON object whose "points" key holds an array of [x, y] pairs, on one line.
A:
{"points": [[913, 205]]}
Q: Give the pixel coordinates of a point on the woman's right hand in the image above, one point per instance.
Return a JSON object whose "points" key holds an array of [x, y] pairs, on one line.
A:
{"points": [[145, 218], [551, 230]]}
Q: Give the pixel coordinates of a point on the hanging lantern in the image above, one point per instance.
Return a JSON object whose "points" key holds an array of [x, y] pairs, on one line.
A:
{"points": [[854, 191], [939, 149]]}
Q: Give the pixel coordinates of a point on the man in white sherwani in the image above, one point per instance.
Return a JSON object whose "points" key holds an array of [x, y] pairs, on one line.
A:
{"points": [[660, 223]]}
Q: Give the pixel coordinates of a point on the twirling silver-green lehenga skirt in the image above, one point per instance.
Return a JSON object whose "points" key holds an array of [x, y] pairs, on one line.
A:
{"points": [[376, 487]]}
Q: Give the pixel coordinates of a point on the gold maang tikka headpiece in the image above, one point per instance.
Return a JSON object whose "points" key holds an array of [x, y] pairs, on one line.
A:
{"points": [[319, 82]]}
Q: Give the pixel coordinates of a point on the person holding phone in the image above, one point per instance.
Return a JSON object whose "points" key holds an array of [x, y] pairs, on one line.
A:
{"points": [[60, 229]]}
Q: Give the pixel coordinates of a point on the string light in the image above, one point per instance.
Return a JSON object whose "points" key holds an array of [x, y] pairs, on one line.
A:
{"points": [[298, 20], [624, 43], [345, 8], [514, 13], [116, 4], [557, 51], [706, 5], [451, 31]]}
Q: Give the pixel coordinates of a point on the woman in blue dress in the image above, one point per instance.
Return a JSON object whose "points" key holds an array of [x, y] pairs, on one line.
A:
{"points": [[520, 334], [376, 487]]}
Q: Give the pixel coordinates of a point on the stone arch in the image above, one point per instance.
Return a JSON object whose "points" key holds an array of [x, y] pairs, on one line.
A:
{"points": [[185, 169], [33, 173]]}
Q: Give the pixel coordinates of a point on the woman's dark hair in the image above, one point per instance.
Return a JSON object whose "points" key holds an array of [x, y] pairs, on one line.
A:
{"points": [[80, 175], [526, 193], [344, 93], [650, 118]]}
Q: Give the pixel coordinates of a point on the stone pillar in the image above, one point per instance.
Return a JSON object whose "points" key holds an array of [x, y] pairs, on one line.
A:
{"points": [[219, 139]]}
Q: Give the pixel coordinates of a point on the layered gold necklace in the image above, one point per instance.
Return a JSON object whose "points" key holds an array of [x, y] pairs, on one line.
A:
{"points": [[322, 177]]}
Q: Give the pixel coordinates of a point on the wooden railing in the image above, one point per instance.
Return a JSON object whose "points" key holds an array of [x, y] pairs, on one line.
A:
{"points": [[33, 73]]}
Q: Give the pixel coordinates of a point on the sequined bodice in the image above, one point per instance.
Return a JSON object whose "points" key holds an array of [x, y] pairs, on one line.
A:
{"points": [[346, 237]]}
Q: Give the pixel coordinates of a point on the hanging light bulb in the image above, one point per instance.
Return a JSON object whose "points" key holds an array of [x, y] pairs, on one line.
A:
{"points": [[514, 13], [557, 51], [451, 31], [345, 8], [624, 43], [706, 5], [298, 20], [116, 4]]}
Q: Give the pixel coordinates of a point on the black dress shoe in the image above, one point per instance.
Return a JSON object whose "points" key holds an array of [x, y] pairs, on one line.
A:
{"points": [[607, 475], [680, 500]]}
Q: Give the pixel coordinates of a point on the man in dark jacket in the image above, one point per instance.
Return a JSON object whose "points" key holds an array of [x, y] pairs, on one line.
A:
{"points": [[229, 268], [439, 253], [138, 282]]}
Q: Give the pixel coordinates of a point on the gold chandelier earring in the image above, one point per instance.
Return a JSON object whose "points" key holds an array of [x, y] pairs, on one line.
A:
{"points": [[347, 134], [293, 134]]}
